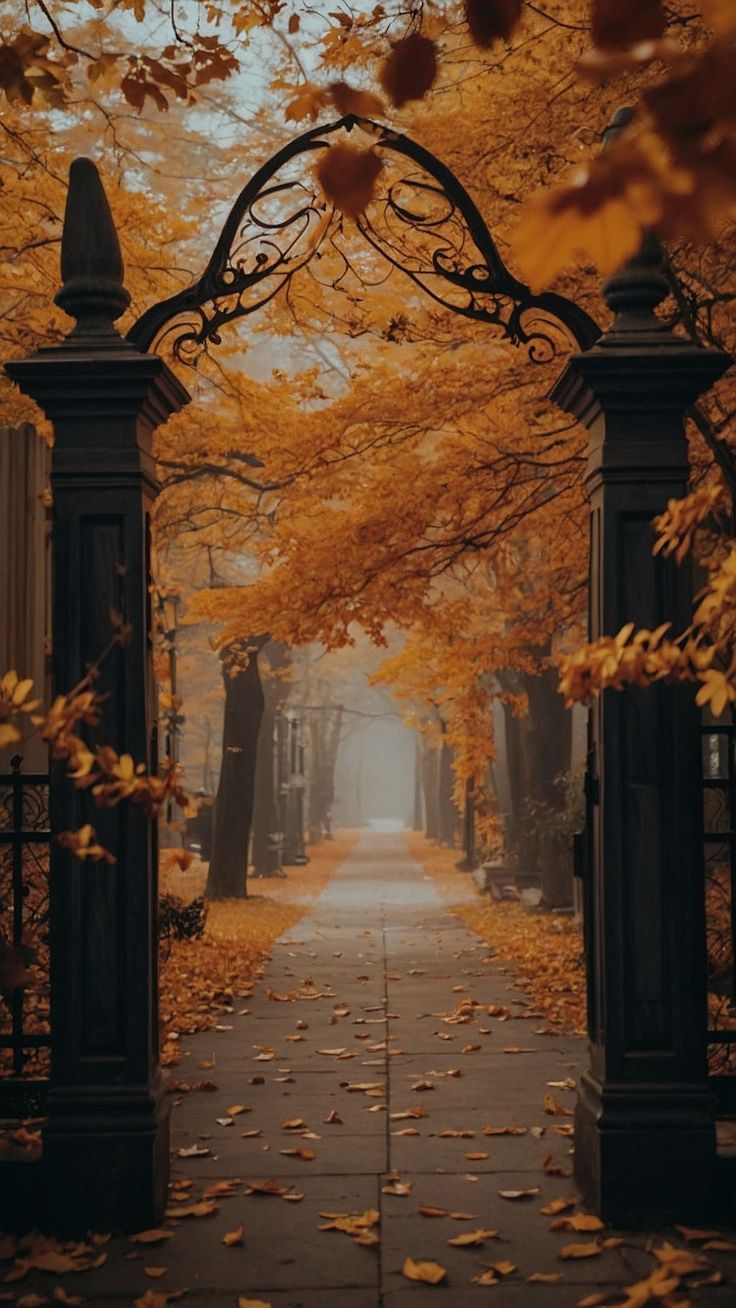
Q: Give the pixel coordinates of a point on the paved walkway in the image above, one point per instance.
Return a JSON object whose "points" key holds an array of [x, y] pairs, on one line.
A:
{"points": [[363, 1037]]}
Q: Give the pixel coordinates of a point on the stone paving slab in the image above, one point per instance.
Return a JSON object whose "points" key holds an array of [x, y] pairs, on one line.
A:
{"points": [[380, 918]]}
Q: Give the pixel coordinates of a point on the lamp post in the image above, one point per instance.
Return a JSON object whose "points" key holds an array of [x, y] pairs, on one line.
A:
{"points": [[294, 851]]}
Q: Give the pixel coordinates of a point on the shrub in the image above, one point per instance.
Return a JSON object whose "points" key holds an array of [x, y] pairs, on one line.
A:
{"points": [[180, 921]]}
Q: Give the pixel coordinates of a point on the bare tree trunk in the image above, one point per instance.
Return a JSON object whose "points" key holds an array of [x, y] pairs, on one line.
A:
{"points": [[468, 860], [228, 870], [206, 767], [330, 731], [447, 816], [430, 770], [514, 824], [548, 758], [539, 748], [418, 814]]}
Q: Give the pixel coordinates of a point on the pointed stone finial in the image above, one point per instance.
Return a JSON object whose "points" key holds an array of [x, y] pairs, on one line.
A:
{"points": [[91, 263], [637, 289]]}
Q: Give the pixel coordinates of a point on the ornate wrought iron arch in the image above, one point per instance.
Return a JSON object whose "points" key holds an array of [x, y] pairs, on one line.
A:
{"points": [[423, 223]]}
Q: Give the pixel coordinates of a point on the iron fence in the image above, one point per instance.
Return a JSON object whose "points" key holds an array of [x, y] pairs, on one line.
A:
{"points": [[719, 836], [24, 924]]}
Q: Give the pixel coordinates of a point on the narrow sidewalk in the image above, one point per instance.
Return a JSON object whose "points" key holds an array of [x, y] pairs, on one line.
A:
{"points": [[377, 1073]]}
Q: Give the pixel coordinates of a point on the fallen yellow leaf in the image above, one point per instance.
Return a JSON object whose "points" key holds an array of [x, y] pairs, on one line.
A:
{"points": [[397, 1187], [265, 1187], [679, 1262], [557, 1206], [428, 1273], [555, 1108], [150, 1300], [589, 1250], [204, 1208], [472, 1237], [51, 1261], [234, 1237], [153, 1236], [221, 1189], [694, 1234], [578, 1222], [350, 1223]]}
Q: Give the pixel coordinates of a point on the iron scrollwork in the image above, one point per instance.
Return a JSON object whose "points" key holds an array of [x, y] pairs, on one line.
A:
{"points": [[422, 223]]}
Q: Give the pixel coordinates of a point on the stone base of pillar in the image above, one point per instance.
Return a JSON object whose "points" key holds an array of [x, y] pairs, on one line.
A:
{"points": [[106, 1159], [645, 1155]]}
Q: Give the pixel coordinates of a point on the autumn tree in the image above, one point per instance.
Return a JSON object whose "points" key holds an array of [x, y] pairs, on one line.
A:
{"points": [[400, 464]]}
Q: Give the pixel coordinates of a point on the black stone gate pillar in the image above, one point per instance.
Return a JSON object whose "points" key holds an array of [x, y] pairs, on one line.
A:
{"points": [[644, 1132], [106, 1141]]}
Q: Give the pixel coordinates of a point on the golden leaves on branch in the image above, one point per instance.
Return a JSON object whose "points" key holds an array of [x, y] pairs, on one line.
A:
{"points": [[31, 72], [27, 70], [14, 701], [676, 527], [311, 99], [627, 659], [83, 844], [307, 103], [110, 776], [644, 657], [599, 213], [673, 171], [717, 691]]}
